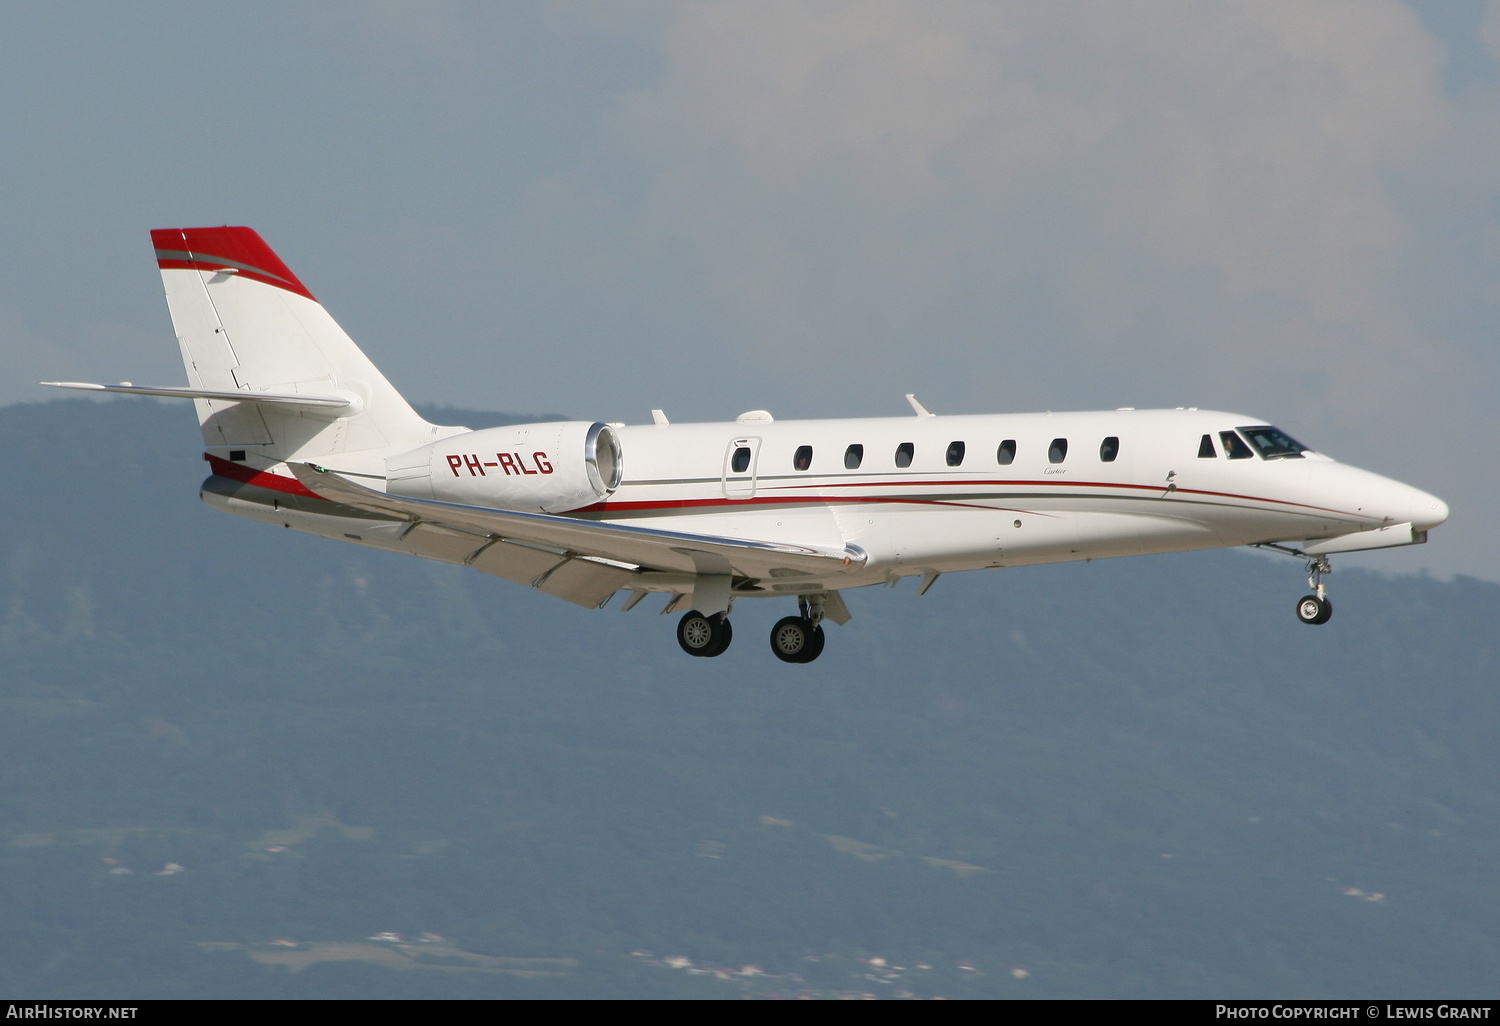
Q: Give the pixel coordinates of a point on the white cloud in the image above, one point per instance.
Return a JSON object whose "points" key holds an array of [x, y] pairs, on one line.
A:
{"points": [[1263, 205], [1489, 30], [814, 206], [848, 170]]}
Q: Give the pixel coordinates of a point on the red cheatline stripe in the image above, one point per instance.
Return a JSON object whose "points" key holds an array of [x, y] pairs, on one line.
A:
{"points": [[291, 486], [1048, 483], [782, 500], [842, 500], [260, 479]]}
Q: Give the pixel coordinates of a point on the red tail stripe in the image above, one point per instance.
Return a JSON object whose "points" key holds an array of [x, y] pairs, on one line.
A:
{"points": [[260, 479], [227, 248]]}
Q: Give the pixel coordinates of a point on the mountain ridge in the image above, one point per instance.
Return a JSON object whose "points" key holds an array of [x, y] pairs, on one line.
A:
{"points": [[1172, 787]]}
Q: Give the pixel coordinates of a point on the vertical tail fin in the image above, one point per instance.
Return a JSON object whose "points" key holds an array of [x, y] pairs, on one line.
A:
{"points": [[245, 323]]}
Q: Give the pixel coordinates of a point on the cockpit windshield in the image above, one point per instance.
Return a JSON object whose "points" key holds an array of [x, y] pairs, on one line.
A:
{"points": [[1272, 443]]}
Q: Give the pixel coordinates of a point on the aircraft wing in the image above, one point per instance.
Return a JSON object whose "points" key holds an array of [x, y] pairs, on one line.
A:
{"points": [[641, 547]]}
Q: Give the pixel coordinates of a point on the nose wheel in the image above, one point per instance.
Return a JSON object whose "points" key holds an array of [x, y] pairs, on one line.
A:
{"points": [[1312, 609], [1315, 608], [701, 635]]}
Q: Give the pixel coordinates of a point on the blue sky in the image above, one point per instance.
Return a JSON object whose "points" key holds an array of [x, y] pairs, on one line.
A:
{"points": [[1286, 209]]}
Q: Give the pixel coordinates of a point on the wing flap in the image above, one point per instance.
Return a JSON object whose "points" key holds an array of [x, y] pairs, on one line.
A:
{"points": [[442, 543], [520, 564], [578, 579], [583, 581], [643, 547]]}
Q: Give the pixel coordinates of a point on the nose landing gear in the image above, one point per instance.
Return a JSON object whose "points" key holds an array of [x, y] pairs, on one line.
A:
{"points": [[1312, 609], [1315, 608]]}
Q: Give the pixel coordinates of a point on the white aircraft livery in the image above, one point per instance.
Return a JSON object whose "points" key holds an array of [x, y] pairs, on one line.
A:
{"points": [[302, 431]]}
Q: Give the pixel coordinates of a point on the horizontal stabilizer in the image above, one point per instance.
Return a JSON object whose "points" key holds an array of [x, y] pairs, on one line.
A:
{"points": [[645, 547], [326, 402]]}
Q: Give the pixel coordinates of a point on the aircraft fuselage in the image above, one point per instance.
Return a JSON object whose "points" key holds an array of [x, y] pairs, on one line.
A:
{"points": [[956, 506], [303, 431]]}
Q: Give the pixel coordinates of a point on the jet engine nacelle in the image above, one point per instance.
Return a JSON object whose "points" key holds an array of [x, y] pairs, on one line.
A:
{"points": [[534, 468]]}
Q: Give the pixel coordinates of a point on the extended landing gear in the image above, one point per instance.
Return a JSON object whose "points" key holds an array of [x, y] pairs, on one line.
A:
{"points": [[799, 639], [795, 639], [1315, 608], [701, 635]]}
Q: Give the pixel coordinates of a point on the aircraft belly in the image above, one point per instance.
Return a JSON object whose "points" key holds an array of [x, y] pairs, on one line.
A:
{"points": [[1103, 535], [1247, 526], [903, 539]]}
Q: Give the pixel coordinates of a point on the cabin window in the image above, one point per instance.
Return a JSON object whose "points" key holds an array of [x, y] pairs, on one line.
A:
{"points": [[740, 461], [1006, 454], [853, 457], [1109, 449], [1234, 446], [955, 455], [1057, 451], [904, 453], [1273, 444], [1206, 450], [803, 458]]}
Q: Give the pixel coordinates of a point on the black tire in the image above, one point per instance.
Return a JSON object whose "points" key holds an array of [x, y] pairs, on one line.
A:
{"points": [[1313, 610], [814, 647], [795, 640], [724, 635], [698, 634]]}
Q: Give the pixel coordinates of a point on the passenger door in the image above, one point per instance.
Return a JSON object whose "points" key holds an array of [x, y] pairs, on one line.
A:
{"points": [[740, 459]]}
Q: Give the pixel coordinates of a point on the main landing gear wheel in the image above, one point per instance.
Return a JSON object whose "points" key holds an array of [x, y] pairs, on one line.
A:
{"points": [[1314, 610], [796, 639], [701, 635]]}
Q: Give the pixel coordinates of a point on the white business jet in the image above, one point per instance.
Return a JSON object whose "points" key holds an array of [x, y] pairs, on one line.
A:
{"points": [[303, 432]]}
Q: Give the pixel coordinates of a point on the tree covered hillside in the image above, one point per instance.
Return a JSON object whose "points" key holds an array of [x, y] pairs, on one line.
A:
{"points": [[1127, 778]]}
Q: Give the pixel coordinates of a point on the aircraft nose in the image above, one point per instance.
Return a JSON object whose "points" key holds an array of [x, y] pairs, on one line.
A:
{"points": [[1393, 502], [1413, 505], [1428, 510]]}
